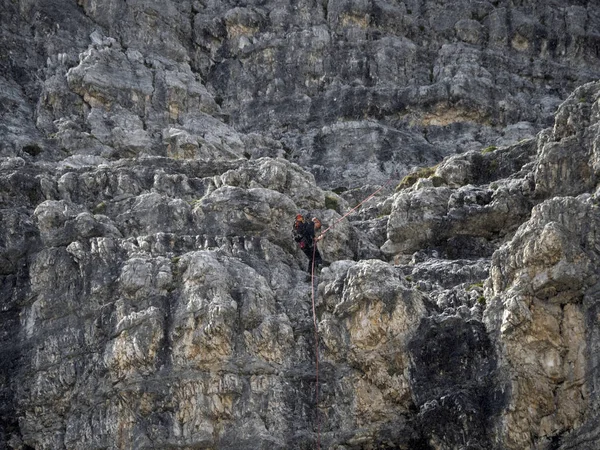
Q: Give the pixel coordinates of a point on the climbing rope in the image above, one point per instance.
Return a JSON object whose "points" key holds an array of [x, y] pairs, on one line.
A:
{"points": [[312, 278], [357, 206]]}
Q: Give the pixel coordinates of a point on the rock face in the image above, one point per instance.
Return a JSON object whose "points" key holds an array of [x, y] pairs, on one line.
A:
{"points": [[352, 90], [153, 156]]}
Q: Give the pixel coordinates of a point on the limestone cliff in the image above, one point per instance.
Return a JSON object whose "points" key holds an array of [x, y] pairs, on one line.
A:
{"points": [[153, 155]]}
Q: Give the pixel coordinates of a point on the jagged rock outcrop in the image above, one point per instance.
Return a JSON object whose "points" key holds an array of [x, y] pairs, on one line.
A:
{"points": [[545, 280], [153, 156], [544, 286], [480, 199]]}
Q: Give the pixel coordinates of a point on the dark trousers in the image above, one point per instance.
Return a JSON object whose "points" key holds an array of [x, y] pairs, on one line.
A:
{"points": [[308, 251]]}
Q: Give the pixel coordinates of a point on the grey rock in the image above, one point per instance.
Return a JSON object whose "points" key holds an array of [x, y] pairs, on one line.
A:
{"points": [[449, 380], [153, 156], [554, 246], [416, 218], [559, 171]]}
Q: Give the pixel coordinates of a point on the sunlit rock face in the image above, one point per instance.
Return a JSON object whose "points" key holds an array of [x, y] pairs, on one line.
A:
{"points": [[544, 283], [544, 289], [154, 155]]}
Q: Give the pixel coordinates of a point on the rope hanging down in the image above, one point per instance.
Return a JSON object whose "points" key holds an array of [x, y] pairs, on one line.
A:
{"points": [[312, 279]]}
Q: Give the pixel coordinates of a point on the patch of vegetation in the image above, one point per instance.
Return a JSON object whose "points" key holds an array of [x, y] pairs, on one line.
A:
{"points": [[408, 278], [475, 286], [100, 208], [493, 166], [331, 202], [407, 181], [413, 177], [437, 181], [481, 300], [489, 149]]}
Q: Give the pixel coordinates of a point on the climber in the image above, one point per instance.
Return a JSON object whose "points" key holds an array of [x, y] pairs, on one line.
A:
{"points": [[304, 234]]}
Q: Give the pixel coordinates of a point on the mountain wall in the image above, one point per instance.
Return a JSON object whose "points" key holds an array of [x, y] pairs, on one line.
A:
{"points": [[153, 156]]}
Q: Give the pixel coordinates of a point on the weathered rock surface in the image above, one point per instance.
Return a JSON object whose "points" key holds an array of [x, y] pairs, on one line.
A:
{"points": [[153, 156], [543, 286], [351, 89]]}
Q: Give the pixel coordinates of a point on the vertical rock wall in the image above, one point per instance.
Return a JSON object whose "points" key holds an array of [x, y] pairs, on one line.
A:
{"points": [[154, 154]]}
